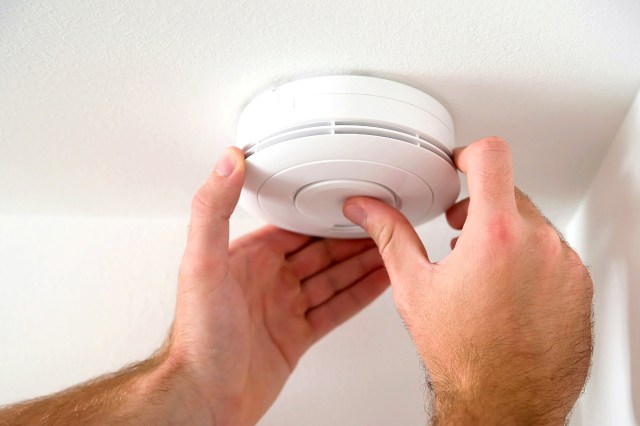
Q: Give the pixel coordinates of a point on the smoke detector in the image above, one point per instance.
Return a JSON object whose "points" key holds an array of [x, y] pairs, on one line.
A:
{"points": [[311, 144]]}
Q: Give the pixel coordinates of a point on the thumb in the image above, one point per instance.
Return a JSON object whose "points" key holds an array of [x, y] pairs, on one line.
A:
{"points": [[399, 245], [211, 208]]}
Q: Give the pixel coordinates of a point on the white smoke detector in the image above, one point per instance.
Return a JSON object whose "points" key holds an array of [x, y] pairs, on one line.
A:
{"points": [[313, 143]]}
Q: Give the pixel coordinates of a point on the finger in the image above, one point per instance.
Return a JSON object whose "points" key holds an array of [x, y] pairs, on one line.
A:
{"points": [[289, 242], [323, 253], [211, 208], [401, 249], [321, 287], [457, 214], [488, 166], [342, 306]]}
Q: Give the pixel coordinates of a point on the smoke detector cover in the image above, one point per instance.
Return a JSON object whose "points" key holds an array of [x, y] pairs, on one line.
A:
{"points": [[311, 144]]}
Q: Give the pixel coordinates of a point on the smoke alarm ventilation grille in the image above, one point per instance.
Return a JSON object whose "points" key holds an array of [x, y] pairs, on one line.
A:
{"points": [[344, 127]]}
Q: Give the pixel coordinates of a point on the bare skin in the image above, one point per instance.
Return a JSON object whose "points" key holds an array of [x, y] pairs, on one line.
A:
{"points": [[502, 324], [245, 314]]}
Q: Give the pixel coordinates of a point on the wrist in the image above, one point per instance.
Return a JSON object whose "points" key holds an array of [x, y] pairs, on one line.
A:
{"points": [[471, 390], [485, 406], [168, 387], [173, 381]]}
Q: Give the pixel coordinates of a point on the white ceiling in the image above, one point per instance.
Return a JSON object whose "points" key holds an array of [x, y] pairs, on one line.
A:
{"points": [[120, 108]]}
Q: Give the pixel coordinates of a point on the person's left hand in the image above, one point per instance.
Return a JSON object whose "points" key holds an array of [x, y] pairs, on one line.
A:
{"points": [[246, 313]]}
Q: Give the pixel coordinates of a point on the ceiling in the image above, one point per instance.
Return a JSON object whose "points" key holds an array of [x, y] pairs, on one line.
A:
{"points": [[120, 108]]}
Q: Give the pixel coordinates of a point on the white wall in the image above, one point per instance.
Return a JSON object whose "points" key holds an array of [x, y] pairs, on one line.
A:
{"points": [[606, 233], [83, 296]]}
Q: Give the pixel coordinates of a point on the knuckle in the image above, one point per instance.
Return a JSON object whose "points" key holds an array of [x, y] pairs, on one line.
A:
{"points": [[504, 230], [492, 143], [384, 237], [199, 206], [492, 164], [579, 270], [575, 261], [545, 244], [547, 239], [203, 207]]}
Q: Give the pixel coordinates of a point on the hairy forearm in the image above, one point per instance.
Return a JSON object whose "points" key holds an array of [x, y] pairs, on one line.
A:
{"points": [[153, 392], [504, 414], [477, 408], [464, 395]]}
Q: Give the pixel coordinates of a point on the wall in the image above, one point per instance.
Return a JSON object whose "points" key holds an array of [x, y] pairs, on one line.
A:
{"points": [[606, 233], [83, 296]]}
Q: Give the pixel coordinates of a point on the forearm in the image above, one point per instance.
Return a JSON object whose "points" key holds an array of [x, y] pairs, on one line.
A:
{"points": [[484, 408], [477, 415], [153, 392]]}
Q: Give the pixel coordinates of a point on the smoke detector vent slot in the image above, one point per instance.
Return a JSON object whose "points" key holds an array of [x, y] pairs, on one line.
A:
{"points": [[350, 128]]}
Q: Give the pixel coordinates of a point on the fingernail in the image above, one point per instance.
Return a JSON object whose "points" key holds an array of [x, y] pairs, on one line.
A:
{"points": [[226, 164], [355, 213]]}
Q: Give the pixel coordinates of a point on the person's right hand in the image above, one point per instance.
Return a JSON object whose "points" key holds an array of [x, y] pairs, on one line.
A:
{"points": [[502, 324]]}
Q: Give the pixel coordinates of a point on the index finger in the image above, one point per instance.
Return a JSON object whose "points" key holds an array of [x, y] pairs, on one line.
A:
{"points": [[489, 169]]}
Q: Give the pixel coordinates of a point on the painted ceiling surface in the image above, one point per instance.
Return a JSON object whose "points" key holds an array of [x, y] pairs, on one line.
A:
{"points": [[120, 108]]}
